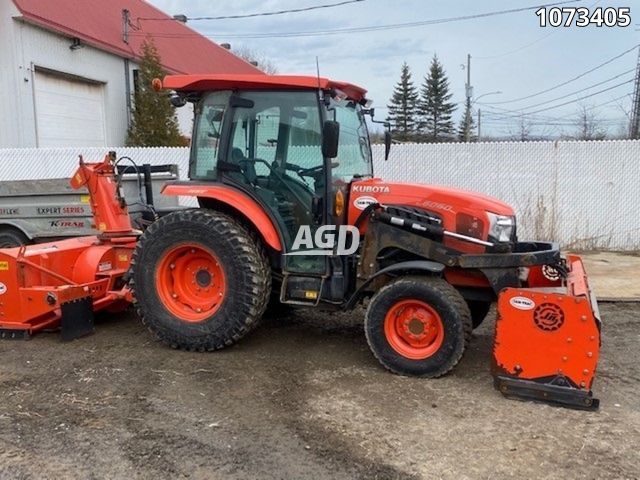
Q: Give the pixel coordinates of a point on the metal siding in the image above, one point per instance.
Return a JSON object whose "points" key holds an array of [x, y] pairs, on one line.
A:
{"points": [[31, 47]]}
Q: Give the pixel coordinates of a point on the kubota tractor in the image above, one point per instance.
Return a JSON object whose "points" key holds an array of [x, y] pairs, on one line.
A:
{"points": [[291, 213]]}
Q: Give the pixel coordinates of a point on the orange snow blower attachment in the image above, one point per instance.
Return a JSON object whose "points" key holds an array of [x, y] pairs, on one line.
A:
{"points": [[61, 284], [547, 338]]}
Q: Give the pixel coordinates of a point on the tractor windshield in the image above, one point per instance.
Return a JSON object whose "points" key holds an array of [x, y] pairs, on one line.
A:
{"points": [[354, 150]]}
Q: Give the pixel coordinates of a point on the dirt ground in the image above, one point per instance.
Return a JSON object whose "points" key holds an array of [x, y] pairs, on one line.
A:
{"points": [[301, 398]]}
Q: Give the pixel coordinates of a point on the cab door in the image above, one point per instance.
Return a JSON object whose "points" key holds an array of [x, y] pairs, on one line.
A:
{"points": [[275, 153]]}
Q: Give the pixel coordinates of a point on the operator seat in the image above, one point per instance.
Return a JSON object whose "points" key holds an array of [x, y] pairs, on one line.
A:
{"points": [[248, 167]]}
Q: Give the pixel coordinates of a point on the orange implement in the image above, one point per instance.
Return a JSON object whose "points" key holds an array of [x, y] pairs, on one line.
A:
{"points": [[61, 284], [547, 338]]}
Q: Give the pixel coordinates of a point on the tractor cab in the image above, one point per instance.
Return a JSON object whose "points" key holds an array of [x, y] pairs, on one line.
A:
{"points": [[274, 150], [294, 147]]}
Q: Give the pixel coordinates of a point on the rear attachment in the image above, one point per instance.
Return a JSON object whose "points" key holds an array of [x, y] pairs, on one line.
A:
{"points": [[547, 339], [59, 285]]}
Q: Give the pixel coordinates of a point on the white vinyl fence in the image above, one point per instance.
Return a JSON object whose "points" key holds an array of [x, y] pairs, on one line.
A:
{"points": [[585, 195]]}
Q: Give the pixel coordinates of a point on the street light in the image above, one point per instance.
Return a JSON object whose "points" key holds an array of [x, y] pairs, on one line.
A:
{"points": [[498, 92]]}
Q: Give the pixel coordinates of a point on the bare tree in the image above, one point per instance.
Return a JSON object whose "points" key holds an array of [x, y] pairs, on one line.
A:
{"points": [[522, 131], [254, 56], [588, 125]]}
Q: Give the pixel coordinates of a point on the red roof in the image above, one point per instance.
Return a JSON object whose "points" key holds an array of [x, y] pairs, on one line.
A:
{"points": [[258, 82], [99, 23]]}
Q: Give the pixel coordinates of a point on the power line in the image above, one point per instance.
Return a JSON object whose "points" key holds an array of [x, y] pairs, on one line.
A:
{"points": [[511, 52], [342, 31], [606, 123], [261, 14], [577, 91], [581, 98], [568, 81], [544, 37], [511, 114]]}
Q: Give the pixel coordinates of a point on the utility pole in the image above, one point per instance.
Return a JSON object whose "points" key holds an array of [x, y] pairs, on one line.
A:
{"points": [[634, 125], [479, 123], [469, 94]]}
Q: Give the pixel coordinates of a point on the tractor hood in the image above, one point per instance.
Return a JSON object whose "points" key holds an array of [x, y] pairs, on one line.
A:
{"points": [[440, 200], [466, 213]]}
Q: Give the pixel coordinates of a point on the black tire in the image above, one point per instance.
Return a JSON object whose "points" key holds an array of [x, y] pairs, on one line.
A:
{"points": [[441, 297], [10, 237], [246, 270], [479, 311]]}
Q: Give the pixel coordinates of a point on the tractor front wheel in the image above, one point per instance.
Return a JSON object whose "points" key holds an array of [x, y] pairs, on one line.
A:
{"points": [[418, 326], [200, 280]]}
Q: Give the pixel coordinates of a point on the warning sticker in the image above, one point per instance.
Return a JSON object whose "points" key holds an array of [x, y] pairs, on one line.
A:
{"points": [[104, 266], [4, 266], [84, 198]]}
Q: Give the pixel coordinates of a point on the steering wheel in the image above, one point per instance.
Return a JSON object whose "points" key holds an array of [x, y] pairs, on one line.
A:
{"points": [[308, 172]]}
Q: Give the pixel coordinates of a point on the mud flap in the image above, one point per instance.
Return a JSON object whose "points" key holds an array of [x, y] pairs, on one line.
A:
{"points": [[77, 319], [547, 340]]}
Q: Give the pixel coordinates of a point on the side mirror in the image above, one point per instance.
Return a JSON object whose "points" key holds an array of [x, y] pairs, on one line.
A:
{"points": [[177, 100], [387, 144], [330, 138]]}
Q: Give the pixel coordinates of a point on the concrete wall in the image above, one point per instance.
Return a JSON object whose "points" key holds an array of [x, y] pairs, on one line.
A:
{"points": [[584, 195], [24, 47]]}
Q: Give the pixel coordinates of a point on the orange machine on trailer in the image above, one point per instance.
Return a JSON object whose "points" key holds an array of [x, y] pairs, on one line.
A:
{"points": [[61, 284]]}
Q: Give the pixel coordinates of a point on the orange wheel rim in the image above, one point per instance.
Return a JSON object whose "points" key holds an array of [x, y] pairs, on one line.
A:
{"points": [[190, 282], [414, 329]]}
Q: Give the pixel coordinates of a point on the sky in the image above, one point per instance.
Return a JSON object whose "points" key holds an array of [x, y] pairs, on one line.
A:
{"points": [[510, 54]]}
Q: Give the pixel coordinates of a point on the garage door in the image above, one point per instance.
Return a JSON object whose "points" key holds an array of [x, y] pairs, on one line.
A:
{"points": [[69, 112]]}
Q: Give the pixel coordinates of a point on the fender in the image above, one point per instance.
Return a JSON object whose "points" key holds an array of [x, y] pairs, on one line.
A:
{"points": [[426, 266], [20, 225], [238, 200]]}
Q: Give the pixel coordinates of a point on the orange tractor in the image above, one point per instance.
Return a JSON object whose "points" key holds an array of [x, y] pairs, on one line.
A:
{"points": [[290, 213]]}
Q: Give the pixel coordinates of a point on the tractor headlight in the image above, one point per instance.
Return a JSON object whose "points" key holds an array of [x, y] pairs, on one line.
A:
{"points": [[501, 227]]}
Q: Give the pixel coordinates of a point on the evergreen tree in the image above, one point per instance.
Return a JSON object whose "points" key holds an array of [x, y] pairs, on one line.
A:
{"points": [[467, 126], [402, 106], [435, 107], [153, 121]]}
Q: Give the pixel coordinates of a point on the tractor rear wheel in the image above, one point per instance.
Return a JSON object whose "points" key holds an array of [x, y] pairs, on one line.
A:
{"points": [[418, 326], [200, 280]]}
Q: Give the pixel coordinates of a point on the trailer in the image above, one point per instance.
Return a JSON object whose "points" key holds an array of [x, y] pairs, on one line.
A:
{"points": [[36, 211]]}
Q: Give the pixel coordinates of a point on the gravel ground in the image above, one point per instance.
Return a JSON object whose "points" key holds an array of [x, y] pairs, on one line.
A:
{"points": [[301, 398]]}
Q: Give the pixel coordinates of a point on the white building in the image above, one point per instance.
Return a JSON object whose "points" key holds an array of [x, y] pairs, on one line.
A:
{"points": [[68, 67]]}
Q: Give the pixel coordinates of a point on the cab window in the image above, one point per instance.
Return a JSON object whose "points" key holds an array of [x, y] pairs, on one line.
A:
{"points": [[275, 151], [207, 135], [354, 152]]}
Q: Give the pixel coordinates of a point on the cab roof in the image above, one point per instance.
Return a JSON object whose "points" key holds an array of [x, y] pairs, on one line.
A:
{"points": [[211, 82]]}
